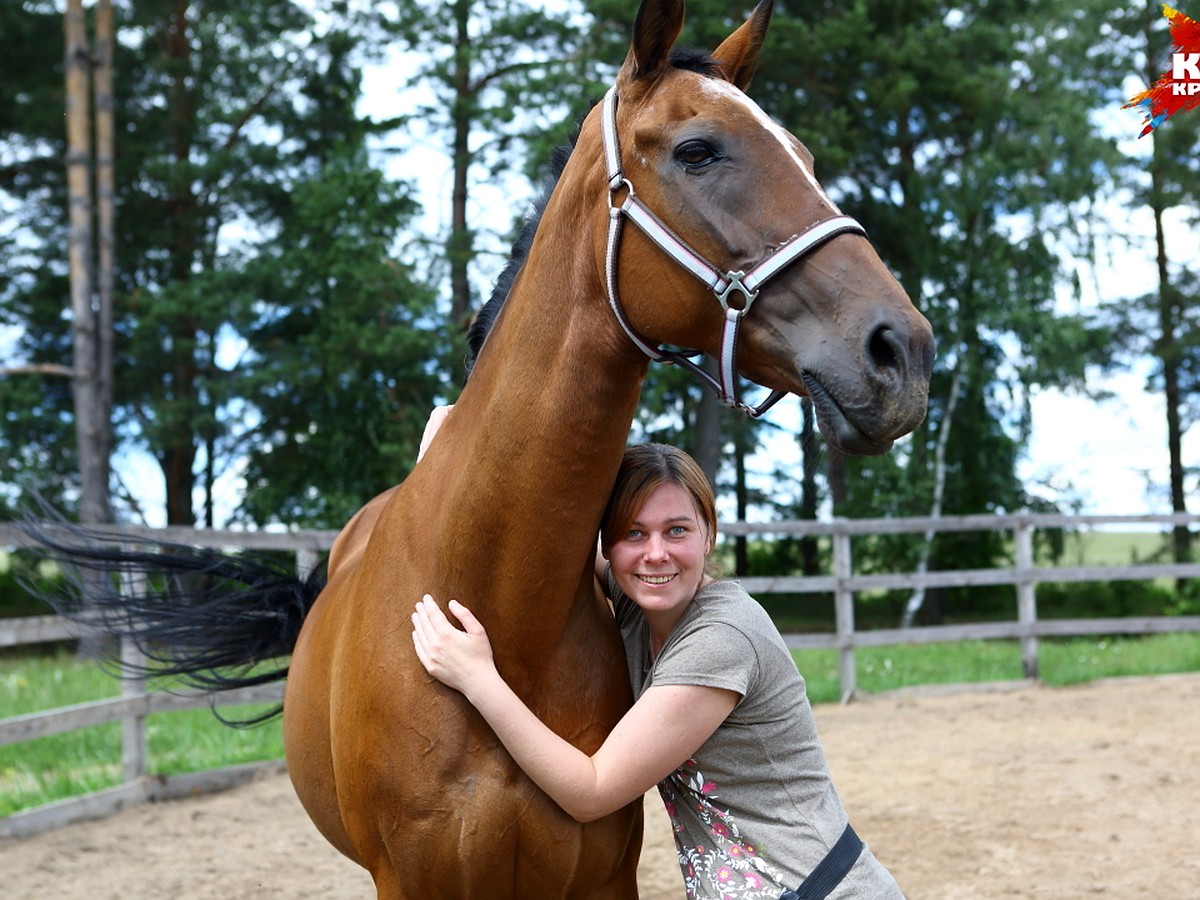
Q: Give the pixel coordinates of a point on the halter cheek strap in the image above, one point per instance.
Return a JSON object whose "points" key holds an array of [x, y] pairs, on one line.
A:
{"points": [[726, 286]]}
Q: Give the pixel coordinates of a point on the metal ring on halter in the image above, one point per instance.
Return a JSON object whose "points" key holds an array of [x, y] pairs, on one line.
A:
{"points": [[736, 283]]}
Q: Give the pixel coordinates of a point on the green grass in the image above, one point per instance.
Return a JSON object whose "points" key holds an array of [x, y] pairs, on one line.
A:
{"points": [[1062, 661], [1112, 548], [36, 772]]}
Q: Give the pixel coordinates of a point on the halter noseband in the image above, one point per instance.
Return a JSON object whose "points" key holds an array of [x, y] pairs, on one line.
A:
{"points": [[723, 285]]}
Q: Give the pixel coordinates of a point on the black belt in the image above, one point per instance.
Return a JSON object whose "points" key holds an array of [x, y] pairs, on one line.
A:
{"points": [[829, 871]]}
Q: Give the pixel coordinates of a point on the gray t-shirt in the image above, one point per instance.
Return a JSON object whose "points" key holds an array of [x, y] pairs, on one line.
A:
{"points": [[754, 810]]}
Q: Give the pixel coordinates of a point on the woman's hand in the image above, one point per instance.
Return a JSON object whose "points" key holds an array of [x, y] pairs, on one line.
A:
{"points": [[461, 659]]}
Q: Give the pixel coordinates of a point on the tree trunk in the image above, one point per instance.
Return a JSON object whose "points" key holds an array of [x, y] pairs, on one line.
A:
{"points": [[178, 453], [91, 426], [708, 438], [810, 450], [1167, 347], [459, 248], [917, 599], [741, 547], [106, 191], [91, 328]]}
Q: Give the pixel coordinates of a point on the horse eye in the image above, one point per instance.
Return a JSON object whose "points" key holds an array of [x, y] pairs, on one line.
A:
{"points": [[696, 154]]}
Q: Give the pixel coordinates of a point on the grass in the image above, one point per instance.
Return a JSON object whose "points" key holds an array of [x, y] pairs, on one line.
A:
{"points": [[40, 771], [46, 769], [1063, 661], [1114, 548]]}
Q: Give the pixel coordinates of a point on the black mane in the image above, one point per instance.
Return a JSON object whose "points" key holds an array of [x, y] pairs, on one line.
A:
{"points": [[682, 58]]}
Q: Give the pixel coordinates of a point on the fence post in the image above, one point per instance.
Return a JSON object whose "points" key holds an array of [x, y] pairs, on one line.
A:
{"points": [[1026, 595], [133, 684], [843, 607]]}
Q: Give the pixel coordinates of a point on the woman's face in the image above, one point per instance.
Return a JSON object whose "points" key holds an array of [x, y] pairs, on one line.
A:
{"points": [[659, 561]]}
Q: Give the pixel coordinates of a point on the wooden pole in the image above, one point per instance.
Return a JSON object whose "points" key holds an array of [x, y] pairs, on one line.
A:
{"points": [[92, 429], [843, 602], [1026, 596]]}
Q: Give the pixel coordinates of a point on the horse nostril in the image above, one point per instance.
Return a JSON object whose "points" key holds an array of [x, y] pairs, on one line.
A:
{"points": [[881, 351]]}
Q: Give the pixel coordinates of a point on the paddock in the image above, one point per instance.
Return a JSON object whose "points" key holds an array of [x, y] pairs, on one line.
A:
{"points": [[1012, 790]]}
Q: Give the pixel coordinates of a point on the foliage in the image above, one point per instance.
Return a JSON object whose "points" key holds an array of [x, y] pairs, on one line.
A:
{"points": [[1104, 599], [236, 116], [503, 77], [342, 335], [18, 569], [279, 321], [1161, 174]]}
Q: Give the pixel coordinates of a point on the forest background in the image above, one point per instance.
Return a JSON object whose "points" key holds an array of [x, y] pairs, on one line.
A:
{"points": [[287, 298]]}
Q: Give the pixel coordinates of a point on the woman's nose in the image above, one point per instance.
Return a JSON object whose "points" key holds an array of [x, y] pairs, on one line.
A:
{"points": [[656, 548]]}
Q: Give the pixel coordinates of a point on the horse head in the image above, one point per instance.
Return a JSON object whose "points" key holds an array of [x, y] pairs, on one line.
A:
{"points": [[739, 252]]}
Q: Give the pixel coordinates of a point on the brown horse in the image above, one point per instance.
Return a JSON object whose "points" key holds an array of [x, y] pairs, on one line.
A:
{"points": [[401, 774]]}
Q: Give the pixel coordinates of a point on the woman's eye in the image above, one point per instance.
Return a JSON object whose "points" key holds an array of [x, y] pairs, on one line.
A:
{"points": [[696, 154]]}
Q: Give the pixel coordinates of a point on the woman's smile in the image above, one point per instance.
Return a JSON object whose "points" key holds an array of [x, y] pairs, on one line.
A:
{"points": [[658, 579]]}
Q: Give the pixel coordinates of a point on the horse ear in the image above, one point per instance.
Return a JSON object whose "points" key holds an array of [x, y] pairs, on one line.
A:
{"points": [[657, 26], [738, 53]]}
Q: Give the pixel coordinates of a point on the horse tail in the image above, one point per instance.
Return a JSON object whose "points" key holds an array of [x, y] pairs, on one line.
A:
{"points": [[215, 620]]}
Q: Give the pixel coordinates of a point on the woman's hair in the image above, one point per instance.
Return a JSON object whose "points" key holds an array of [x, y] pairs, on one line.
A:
{"points": [[644, 468]]}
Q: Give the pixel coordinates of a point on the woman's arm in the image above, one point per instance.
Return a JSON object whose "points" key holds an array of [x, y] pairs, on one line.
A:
{"points": [[662, 730]]}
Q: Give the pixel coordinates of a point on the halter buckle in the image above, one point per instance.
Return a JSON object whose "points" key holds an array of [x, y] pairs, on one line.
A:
{"points": [[736, 283], [615, 183]]}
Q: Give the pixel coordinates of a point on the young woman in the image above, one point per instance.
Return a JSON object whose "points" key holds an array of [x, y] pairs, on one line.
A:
{"points": [[721, 723]]}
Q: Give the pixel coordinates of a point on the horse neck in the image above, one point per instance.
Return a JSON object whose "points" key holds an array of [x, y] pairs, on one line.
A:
{"points": [[536, 440]]}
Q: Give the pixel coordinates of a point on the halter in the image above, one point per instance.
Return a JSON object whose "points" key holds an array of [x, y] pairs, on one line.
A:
{"points": [[723, 285]]}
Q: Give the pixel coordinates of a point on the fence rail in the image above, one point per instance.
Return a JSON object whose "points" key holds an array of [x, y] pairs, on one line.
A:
{"points": [[136, 703]]}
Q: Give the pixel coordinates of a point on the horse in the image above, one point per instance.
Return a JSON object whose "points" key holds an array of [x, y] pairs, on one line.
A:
{"points": [[675, 168]]}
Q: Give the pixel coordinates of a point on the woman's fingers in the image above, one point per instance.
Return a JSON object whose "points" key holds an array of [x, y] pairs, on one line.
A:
{"points": [[428, 626], [465, 617], [433, 632], [430, 612]]}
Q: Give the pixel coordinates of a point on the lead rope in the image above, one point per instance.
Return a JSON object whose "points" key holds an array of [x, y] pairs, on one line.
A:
{"points": [[723, 285]]}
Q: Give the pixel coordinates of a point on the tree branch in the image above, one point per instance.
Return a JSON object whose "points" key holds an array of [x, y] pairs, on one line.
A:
{"points": [[38, 369]]}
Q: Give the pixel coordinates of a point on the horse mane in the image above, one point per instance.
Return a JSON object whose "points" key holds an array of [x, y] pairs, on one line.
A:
{"points": [[686, 58]]}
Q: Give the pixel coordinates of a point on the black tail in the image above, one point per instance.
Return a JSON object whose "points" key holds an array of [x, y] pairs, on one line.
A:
{"points": [[216, 620]]}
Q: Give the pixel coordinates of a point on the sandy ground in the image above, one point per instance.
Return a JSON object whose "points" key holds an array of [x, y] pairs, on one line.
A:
{"points": [[1025, 792]]}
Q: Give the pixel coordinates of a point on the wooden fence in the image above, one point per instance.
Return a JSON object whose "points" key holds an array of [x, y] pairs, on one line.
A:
{"points": [[135, 702]]}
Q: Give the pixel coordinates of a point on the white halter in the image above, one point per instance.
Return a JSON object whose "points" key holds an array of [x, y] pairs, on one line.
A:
{"points": [[723, 285]]}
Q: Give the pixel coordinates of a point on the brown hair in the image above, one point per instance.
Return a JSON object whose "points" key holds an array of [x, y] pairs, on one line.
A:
{"points": [[643, 469]]}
